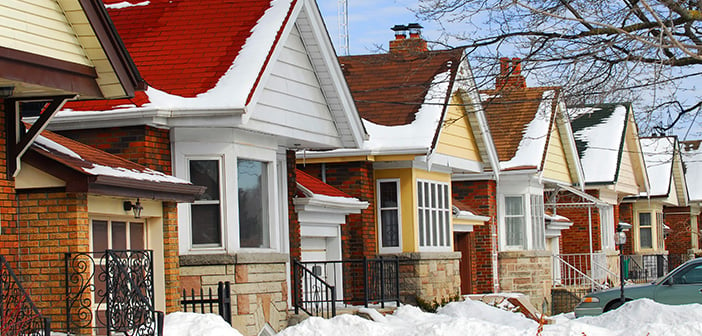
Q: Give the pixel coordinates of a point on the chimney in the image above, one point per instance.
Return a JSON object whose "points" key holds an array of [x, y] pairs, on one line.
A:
{"points": [[402, 44], [510, 74]]}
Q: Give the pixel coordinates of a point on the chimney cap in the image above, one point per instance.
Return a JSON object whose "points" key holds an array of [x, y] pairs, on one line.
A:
{"points": [[414, 25], [398, 28]]}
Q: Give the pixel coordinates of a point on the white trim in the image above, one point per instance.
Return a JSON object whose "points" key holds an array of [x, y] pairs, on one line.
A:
{"points": [[444, 232], [462, 228], [398, 248]]}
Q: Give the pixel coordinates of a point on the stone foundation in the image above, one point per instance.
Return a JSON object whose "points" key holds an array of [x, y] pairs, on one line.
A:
{"points": [[529, 273], [430, 276], [259, 287]]}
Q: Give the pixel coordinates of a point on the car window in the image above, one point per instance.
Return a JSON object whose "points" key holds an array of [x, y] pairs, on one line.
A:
{"points": [[691, 275]]}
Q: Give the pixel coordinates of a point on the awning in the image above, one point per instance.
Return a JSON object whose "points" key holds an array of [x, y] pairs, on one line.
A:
{"points": [[576, 198]]}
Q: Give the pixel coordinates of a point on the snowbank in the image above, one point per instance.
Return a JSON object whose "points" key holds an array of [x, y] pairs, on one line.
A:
{"points": [[193, 324]]}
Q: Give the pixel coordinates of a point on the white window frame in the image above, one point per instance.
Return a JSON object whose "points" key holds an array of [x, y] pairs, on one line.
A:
{"points": [[607, 227], [381, 248], [524, 243], [651, 216], [538, 224], [221, 202], [440, 217], [660, 222], [267, 195]]}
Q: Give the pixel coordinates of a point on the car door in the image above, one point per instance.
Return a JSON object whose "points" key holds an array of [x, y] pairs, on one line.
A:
{"points": [[683, 287]]}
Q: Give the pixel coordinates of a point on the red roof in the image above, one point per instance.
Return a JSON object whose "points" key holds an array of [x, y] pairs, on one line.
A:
{"points": [[182, 47], [316, 185]]}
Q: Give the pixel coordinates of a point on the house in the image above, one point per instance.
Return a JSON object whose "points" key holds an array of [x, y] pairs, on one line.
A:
{"points": [[537, 158], [234, 88], [684, 222], [75, 202], [613, 165], [655, 208], [425, 124]]}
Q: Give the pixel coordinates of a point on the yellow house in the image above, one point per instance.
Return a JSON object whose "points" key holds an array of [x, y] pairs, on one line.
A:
{"points": [[425, 124]]}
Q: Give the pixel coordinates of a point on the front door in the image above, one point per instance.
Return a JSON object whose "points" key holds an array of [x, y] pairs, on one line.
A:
{"points": [[463, 242]]}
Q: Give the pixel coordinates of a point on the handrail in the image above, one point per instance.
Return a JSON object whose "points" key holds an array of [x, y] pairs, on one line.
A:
{"points": [[571, 267], [312, 307], [18, 314]]}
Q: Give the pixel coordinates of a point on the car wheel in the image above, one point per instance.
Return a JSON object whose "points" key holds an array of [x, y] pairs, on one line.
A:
{"points": [[613, 305]]}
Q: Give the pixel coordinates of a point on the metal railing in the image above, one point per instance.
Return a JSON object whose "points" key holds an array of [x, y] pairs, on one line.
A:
{"points": [[578, 270], [354, 281], [311, 293], [18, 314], [645, 268], [205, 303]]}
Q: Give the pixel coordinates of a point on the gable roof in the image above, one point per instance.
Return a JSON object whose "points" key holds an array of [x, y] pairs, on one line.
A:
{"points": [[663, 168], [520, 120], [314, 192], [211, 57], [691, 153], [87, 169]]}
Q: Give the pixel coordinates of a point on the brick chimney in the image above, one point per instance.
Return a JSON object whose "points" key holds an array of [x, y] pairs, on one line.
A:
{"points": [[414, 43], [510, 74]]}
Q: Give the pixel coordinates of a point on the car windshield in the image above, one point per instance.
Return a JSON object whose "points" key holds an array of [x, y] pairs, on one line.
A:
{"points": [[665, 277]]}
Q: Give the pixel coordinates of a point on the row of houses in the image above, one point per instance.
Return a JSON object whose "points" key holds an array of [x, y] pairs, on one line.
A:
{"points": [[211, 141]]}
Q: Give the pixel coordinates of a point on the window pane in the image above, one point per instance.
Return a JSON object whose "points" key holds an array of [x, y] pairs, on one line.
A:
{"points": [[206, 173], [136, 236], [388, 194], [390, 228], [253, 225], [515, 227], [422, 227], [513, 206], [644, 219], [119, 235], [205, 224], [645, 235], [99, 235], [420, 194]]}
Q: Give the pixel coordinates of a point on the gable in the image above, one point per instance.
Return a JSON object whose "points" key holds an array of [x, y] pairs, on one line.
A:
{"points": [[631, 177], [31, 177], [457, 138], [292, 101], [556, 165]]}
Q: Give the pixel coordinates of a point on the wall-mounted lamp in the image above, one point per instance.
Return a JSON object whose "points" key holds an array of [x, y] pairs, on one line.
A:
{"points": [[136, 208], [6, 91]]}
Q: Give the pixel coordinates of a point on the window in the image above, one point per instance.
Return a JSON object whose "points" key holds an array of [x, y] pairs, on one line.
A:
{"points": [[659, 230], [205, 212], [607, 227], [645, 238], [253, 203], [537, 221], [389, 210], [514, 221], [434, 211], [691, 275]]}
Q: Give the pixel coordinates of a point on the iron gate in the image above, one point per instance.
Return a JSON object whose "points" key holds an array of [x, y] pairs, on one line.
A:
{"points": [[111, 293]]}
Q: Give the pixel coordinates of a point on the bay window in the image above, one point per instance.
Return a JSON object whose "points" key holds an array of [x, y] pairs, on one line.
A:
{"points": [[205, 211], [514, 221], [538, 232], [253, 204], [434, 213], [645, 234]]}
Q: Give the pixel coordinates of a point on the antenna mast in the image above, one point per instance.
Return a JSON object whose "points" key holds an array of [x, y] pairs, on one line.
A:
{"points": [[343, 12]]}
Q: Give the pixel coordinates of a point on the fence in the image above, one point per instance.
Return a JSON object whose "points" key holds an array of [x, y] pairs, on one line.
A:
{"points": [[581, 270], [317, 284], [205, 303], [18, 314]]}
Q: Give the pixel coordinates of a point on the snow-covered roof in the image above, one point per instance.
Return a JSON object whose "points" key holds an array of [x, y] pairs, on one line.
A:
{"points": [[599, 132], [659, 155], [322, 193], [692, 157]]}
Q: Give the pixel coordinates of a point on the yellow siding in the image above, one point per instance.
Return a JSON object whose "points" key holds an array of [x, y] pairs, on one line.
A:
{"points": [[408, 200], [556, 166], [653, 208], [456, 138], [626, 181], [39, 27]]}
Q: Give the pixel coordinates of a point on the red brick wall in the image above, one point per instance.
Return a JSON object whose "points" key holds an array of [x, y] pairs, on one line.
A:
{"points": [[8, 207], [576, 239], [626, 215], [293, 222], [145, 145], [50, 224], [481, 197], [679, 238], [170, 254], [356, 179]]}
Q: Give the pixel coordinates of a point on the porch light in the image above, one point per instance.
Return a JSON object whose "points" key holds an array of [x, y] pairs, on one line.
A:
{"points": [[6, 91], [136, 208]]}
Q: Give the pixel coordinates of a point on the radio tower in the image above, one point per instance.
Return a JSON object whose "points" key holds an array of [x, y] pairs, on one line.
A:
{"points": [[343, 11]]}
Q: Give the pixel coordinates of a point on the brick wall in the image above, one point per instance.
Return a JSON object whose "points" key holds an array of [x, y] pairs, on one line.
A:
{"points": [[480, 196], [8, 207], [679, 239], [293, 222], [358, 235], [50, 224], [626, 215], [577, 238]]}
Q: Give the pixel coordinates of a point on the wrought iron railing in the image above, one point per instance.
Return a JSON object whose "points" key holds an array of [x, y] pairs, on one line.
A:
{"points": [[645, 268], [320, 284], [111, 292], [581, 270], [205, 302], [18, 314]]}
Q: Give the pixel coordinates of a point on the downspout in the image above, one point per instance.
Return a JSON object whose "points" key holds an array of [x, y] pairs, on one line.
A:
{"points": [[589, 228]]}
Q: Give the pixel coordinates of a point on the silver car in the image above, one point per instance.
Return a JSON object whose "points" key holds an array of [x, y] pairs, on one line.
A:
{"points": [[681, 286]]}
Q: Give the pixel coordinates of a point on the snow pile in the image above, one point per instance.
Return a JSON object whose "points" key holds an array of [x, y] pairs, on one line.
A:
{"points": [[193, 324], [471, 318]]}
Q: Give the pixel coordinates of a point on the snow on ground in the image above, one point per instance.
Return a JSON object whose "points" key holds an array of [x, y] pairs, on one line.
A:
{"points": [[640, 317]]}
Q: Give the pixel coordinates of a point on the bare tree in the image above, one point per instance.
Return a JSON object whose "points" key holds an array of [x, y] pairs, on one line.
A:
{"points": [[645, 51]]}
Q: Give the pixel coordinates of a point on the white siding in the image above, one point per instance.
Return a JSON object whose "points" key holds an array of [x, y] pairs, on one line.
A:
{"points": [[292, 101]]}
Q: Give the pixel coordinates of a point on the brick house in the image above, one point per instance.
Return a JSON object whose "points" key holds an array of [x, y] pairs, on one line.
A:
{"points": [[425, 125], [537, 157], [234, 88], [660, 205], [684, 221], [610, 153]]}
